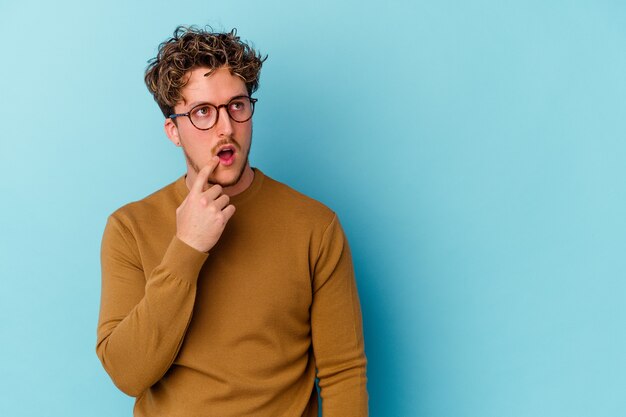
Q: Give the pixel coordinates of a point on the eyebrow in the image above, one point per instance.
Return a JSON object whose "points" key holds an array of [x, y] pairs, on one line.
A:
{"points": [[197, 103]]}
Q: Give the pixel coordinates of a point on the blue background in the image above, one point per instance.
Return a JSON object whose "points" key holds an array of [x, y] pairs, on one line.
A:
{"points": [[474, 151]]}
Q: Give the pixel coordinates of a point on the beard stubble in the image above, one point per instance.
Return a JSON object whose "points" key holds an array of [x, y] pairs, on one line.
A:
{"points": [[229, 141]]}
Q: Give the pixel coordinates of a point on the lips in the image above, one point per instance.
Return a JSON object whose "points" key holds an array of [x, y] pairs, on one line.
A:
{"points": [[226, 154]]}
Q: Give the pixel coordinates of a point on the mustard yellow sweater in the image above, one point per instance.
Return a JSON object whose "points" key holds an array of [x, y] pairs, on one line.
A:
{"points": [[240, 331]]}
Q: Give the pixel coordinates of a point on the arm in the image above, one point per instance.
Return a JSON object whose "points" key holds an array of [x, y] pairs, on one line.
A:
{"points": [[143, 321], [337, 329]]}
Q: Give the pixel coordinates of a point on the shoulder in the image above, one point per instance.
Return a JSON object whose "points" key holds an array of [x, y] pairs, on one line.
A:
{"points": [[152, 207], [291, 203]]}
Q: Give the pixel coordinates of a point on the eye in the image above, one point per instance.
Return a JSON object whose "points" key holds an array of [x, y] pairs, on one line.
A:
{"points": [[203, 111], [237, 105]]}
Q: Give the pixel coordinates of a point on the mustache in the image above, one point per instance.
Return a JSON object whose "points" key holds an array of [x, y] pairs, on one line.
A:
{"points": [[223, 142]]}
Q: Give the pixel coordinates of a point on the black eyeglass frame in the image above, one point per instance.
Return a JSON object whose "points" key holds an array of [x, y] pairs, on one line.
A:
{"points": [[217, 108]]}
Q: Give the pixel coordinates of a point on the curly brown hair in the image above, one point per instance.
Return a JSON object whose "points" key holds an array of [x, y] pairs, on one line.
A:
{"points": [[192, 47]]}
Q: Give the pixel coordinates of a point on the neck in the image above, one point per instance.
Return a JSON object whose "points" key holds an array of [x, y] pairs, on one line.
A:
{"points": [[247, 176]]}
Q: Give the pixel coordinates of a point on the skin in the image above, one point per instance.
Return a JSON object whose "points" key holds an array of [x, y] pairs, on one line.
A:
{"points": [[203, 215]]}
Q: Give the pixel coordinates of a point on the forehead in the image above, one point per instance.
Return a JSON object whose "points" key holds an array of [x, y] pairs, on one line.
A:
{"points": [[214, 86]]}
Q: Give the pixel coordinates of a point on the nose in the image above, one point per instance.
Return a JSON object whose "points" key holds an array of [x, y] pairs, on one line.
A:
{"points": [[224, 124]]}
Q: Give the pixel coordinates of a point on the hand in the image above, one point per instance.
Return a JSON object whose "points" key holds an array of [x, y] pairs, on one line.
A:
{"points": [[202, 216]]}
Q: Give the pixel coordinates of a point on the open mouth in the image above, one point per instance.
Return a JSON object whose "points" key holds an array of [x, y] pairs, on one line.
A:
{"points": [[226, 155]]}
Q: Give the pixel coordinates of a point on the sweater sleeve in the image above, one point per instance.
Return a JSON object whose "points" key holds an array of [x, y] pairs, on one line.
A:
{"points": [[337, 331], [143, 317]]}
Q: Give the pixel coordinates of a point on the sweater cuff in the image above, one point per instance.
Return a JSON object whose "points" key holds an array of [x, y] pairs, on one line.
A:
{"points": [[182, 260]]}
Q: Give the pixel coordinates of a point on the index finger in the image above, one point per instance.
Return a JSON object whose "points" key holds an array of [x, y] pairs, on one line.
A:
{"points": [[203, 175]]}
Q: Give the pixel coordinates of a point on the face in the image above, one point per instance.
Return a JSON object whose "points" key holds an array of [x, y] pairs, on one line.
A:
{"points": [[229, 140]]}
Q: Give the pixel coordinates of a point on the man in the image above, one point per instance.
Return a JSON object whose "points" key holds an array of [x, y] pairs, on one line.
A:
{"points": [[226, 293]]}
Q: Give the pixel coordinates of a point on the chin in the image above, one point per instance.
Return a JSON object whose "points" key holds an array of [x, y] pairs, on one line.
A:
{"points": [[225, 184], [227, 179]]}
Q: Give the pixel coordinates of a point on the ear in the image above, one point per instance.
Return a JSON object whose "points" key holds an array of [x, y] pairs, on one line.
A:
{"points": [[171, 130]]}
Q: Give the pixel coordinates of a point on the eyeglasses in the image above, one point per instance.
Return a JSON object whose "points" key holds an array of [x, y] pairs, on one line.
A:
{"points": [[204, 116]]}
